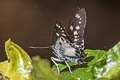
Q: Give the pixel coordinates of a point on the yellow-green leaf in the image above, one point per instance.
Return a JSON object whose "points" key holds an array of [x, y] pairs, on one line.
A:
{"points": [[19, 65]]}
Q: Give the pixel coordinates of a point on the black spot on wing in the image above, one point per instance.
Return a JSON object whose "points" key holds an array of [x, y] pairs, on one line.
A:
{"points": [[75, 30]]}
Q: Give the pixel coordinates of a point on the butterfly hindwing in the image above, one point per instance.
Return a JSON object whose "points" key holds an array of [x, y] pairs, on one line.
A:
{"points": [[75, 30]]}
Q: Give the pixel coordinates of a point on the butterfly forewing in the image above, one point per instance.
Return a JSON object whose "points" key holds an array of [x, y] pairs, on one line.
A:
{"points": [[59, 31], [75, 30]]}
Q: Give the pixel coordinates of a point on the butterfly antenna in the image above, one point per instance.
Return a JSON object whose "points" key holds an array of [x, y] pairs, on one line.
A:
{"points": [[39, 47]]}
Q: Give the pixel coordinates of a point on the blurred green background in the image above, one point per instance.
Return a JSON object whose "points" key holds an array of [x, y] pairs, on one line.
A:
{"points": [[31, 22]]}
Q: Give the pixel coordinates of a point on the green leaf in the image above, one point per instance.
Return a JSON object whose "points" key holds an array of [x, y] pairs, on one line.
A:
{"points": [[42, 71], [113, 61], [100, 65], [110, 66], [84, 71], [4, 67], [18, 65]]}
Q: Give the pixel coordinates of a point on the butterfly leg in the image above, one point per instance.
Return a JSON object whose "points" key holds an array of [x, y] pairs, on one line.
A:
{"points": [[68, 66], [54, 60]]}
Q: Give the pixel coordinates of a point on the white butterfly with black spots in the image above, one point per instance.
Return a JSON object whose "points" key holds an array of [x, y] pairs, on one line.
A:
{"points": [[68, 43]]}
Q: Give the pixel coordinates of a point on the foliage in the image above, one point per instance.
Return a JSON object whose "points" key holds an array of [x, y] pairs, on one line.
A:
{"points": [[99, 65], [18, 65], [42, 70]]}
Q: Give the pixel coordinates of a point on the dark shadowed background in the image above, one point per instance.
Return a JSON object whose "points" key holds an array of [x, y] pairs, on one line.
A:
{"points": [[31, 22]]}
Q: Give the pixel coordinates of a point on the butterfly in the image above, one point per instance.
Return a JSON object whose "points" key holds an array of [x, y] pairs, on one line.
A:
{"points": [[68, 42]]}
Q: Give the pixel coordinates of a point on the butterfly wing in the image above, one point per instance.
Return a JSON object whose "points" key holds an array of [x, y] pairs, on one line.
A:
{"points": [[59, 31], [75, 30]]}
